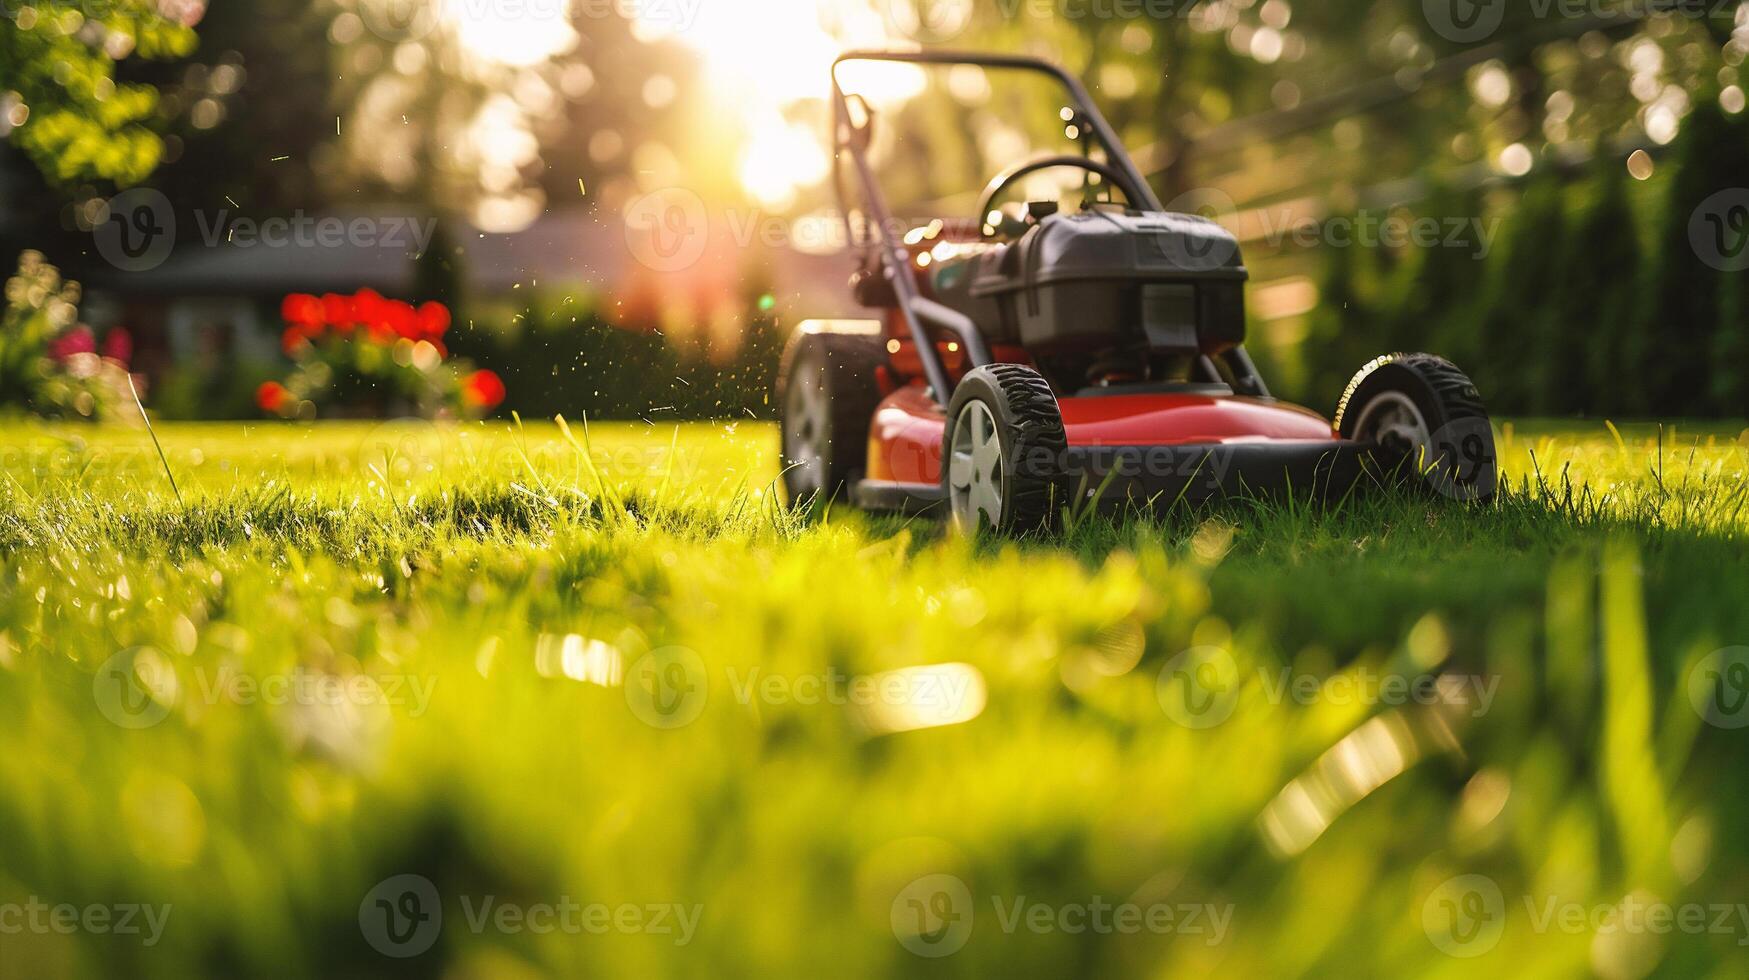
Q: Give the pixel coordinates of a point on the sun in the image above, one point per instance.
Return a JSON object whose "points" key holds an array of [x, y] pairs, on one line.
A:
{"points": [[762, 57], [516, 36]]}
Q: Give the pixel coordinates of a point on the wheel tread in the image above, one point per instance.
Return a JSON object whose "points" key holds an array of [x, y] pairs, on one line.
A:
{"points": [[1036, 421]]}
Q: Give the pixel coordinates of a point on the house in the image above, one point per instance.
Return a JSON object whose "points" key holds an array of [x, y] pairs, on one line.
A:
{"points": [[216, 297]]}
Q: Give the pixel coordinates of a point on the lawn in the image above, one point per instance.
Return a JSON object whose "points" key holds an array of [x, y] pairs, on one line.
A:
{"points": [[493, 701]]}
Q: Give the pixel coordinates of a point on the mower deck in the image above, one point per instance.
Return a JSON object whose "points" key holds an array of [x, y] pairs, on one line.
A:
{"points": [[1191, 445]]}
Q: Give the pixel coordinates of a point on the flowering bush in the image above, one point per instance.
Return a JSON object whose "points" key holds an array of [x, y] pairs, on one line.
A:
{"points": [[52, 364], [367, 356]]}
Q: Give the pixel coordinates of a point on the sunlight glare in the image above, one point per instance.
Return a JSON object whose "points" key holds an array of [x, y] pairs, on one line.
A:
{"points": [[765, 57], [530, 35]]}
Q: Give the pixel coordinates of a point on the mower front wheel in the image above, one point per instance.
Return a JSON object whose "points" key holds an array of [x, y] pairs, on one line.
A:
{"points": [[1426, 424], [827, 386], [1004, 450]]}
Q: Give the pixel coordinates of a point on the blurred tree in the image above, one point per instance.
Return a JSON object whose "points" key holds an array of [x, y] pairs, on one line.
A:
{"points": [[1517, 311], [264, 89], [1341, 317], [438, 272], [1730, 353], [1680, 330], [1585, 369], [60, 101], [1439, 312]]}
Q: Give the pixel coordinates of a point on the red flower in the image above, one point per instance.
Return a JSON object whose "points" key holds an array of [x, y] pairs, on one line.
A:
{"points": [[75, 341], [402, 319], [294, 338], [383, 320], [482, 389], [118, 345], [367, 306], [303, 310], [338, 311], [433, 320], [273, 397]]}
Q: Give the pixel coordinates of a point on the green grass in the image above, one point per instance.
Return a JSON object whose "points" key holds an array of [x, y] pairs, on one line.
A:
{"points": [[512, 598]]}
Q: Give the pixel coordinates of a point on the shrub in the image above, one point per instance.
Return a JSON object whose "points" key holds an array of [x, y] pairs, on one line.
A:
{"points": [[364, 356], [50, 363]]}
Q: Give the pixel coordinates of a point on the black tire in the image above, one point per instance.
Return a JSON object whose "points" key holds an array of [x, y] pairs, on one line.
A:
{"points": [[825, 443], [1427, 423], [1026, 473]]}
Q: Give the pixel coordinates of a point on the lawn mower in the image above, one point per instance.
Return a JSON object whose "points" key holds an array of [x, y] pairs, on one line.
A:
{"points": [[1031, 360]]}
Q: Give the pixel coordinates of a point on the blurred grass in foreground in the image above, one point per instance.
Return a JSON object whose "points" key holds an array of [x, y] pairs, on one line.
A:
{"points": [[625, 679]]}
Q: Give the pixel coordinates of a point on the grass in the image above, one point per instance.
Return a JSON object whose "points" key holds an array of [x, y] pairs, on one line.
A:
{"points": [[609, 670]]}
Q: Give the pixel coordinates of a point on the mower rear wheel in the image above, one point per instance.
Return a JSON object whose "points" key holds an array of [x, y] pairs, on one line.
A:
{"points": [[1003, 453], [827, 385], [1426, 423]]}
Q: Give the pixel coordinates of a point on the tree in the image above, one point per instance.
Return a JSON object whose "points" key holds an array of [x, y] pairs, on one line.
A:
{"points": [[439, 271], [1586, 369], [1517, 306], [1730, 353], [1439, 312], [1681, 321], [78, 123]]}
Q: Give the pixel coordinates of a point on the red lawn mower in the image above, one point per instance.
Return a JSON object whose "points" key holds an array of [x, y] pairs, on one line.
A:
{"points": [[1031, 361]]}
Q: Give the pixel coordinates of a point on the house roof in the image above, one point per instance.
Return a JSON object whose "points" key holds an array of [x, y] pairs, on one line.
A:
{"points": [[570, 246], [321, 253]]}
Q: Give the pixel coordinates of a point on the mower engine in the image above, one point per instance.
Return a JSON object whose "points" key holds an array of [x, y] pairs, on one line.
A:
{"points": [[1099, 294]]}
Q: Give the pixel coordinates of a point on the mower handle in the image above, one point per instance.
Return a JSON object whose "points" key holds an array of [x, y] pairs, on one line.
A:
{"points": [[1000, 182], [1084, 103], [895, 260]]}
